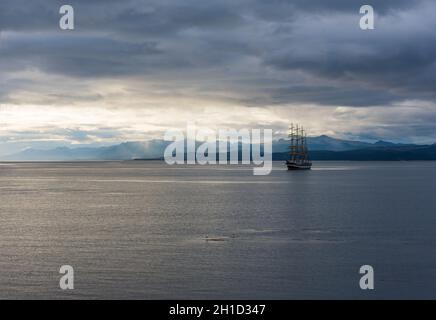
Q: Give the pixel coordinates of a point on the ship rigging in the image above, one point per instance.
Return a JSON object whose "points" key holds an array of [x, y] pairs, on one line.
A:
{"points": [[299, 152]]}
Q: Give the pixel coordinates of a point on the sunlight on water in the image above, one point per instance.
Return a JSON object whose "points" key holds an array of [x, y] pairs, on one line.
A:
{"points": [[147, 230]]}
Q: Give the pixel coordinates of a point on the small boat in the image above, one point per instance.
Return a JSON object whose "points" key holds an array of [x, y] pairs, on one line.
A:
{"points": [[299, 153]]}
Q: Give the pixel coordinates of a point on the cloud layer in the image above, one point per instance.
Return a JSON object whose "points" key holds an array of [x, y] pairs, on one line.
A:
{"points": [[287, 58]]}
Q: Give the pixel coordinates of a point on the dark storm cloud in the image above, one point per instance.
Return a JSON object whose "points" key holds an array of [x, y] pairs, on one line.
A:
{"points": [[265, 52], [138, 16], [75, 54], [161, 16], [333, 96]]}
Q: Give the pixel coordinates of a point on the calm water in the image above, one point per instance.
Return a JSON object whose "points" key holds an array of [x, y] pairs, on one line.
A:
{"points": [[137, 230]]}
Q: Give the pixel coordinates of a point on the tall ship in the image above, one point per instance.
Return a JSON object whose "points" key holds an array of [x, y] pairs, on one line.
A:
{"points": [[299, 153]]}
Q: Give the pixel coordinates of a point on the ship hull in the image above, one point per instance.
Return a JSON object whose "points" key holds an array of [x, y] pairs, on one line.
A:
{"points": [[298, 166]]}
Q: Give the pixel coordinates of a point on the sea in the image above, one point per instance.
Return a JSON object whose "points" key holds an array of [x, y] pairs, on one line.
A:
{"points": [[148, 230]]}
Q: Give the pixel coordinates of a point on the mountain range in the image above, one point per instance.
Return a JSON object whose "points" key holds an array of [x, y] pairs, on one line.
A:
{"points": [[321, 148]]}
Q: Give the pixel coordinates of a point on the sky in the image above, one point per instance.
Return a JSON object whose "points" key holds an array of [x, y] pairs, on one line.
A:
{"points": [[132, 69]]}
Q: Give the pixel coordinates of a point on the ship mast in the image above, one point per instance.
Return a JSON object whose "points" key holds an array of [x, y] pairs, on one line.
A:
{"points": [[297, 145], [299, 152], [302, 152], [292, 146]]}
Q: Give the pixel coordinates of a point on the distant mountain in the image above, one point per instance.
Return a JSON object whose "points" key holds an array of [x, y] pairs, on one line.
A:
{"points": [[57, 154], [124, 151], [324, 143], [385, 153], [321, 148], [382, 143], [153, 149]]}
